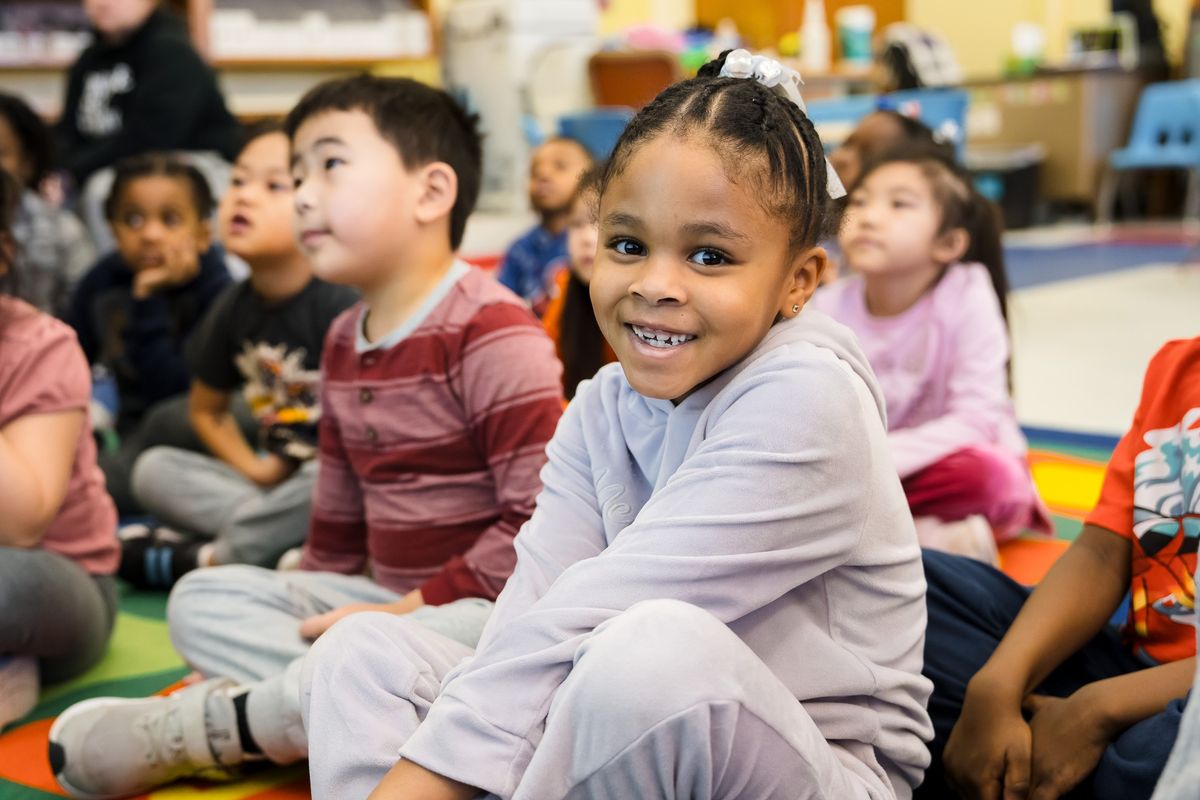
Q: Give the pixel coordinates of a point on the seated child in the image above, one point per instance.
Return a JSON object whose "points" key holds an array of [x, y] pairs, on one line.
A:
{"points": [[1035, 694], [246, 503], [719, 594], [58, 550], [879, 133], [140, 87], [439, 392], [569, 318], [137, 307], [554, 174], [54, 249], [927, 302]]}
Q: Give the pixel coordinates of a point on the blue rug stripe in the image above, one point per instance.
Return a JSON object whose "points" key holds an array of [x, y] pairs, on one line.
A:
{"points": [[1052, 436], [1035, 266]]}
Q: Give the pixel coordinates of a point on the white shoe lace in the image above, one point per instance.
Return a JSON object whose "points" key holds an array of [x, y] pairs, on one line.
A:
{"points": [[163, 737]]}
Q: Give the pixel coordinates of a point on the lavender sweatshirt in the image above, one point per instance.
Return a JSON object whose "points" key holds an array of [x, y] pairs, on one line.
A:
{"points": [[768, 498], [942, 365]]}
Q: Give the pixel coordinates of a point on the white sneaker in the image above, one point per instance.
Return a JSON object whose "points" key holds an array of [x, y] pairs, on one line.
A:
{"points": [[971, 537], [290, 561], [19, 687], [110, 747]]}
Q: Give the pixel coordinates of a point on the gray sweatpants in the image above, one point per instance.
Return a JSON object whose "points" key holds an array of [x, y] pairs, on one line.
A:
{"points": [[663, 701], [37, 583], [243, 623], [204, 496]]}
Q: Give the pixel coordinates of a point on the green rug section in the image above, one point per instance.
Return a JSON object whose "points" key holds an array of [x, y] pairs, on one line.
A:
{"points": [[140, 658]]}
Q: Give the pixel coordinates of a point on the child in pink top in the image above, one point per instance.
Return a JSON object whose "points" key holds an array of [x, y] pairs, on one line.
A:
{"points": [[58, 547], [927, 301]]}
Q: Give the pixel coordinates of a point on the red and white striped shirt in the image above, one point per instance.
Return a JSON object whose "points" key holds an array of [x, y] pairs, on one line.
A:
{"points": [[431, 446]]}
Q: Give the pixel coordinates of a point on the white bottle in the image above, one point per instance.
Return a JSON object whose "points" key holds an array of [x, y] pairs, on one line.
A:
{"points": [[815, 53]]}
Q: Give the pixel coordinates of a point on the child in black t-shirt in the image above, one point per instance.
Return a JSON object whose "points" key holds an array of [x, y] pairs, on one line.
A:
{"points": [[247, 502]]}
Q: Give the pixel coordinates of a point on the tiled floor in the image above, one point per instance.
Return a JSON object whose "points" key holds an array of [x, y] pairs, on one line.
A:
{"points": [[1095, 306]]}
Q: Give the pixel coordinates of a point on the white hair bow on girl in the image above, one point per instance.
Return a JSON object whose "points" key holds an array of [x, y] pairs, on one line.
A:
{"points": [[786, 83]]}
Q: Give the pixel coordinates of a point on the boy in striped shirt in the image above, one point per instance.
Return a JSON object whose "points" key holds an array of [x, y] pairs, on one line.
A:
{"points": [[439, 393]]}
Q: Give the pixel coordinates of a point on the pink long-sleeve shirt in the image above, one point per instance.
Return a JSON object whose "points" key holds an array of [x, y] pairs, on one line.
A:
{"points": [[942, 365]]}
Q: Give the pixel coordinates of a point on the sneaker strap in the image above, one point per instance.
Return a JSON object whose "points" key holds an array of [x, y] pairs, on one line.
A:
{"points": [[220, 724]]}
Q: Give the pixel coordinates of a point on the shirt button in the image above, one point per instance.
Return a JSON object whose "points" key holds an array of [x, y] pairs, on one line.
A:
{"points": [[372, 434], [368, 361], [365, 396]]}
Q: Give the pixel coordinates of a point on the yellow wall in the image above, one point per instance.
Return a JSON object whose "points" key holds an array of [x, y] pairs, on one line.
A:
{"points": [[1174, 16], [672, 14], [980, 33]]}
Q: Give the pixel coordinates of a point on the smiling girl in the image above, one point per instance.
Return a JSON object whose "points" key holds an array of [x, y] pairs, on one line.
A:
{"points": [[720, 592]]}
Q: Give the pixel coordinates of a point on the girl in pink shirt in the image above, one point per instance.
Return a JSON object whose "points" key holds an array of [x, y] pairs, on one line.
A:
{"points": [[927, 302], [58, 547]]}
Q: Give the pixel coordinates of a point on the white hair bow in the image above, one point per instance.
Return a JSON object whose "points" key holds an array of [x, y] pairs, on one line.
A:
{"points": [[786, 83]]}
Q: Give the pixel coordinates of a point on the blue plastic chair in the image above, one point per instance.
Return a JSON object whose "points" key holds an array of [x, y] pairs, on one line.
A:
{"points": [[943, 110], [1165, 135], [597, 129]]}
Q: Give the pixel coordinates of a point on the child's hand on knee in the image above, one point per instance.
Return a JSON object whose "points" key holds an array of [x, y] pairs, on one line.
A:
{"points": [[988, 752], [313, 627]]}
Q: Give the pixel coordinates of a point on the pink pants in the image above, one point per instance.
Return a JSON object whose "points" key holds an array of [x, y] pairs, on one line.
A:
{"points": [[979, 480]]}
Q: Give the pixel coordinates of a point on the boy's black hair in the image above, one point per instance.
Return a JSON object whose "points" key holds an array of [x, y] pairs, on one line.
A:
{"points": [[160, 164], [915, 133], [424, 124], [264, 127], [33, 134], [580, 341], [591, 157], [759, 135]]}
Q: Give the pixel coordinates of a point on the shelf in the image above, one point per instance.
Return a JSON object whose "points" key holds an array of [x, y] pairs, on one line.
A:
{"points": [[270, 64]]}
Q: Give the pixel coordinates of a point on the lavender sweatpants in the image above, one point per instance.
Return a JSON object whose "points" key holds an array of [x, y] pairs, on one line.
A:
{"points": [[664, 701], [243, 622]]}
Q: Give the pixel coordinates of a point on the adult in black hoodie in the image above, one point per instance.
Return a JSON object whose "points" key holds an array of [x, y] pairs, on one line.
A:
{"points": [[138, 89]]}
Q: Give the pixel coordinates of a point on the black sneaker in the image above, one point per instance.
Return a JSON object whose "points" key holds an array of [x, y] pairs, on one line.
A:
{"points": [[156, 560]]}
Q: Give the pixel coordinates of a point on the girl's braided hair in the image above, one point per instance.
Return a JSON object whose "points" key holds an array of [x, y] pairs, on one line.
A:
{"points": [[760, 136]]}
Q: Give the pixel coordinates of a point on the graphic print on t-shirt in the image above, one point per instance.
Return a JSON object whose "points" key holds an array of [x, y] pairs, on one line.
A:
{"points": [[96, 115], [1166, 523], [283, 395]]}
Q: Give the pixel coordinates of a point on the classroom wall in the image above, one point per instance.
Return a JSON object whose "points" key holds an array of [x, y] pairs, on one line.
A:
{"points": [[672, 14], [981, 37], [1173, 15]]}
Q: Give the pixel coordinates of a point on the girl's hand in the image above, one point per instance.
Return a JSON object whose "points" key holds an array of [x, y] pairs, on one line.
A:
{"points": [[1069, 737], [409, 781], [313, 627], [988, 752]]}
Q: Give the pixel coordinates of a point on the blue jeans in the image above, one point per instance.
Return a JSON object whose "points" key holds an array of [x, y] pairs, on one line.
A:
{"points": [[971, 606]]}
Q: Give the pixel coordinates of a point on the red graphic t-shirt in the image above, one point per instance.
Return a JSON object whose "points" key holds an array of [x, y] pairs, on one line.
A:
{"points": [[1151, 495]]}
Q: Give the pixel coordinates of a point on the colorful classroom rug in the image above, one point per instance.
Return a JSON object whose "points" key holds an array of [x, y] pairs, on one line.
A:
{"points": [[1068, 470]]}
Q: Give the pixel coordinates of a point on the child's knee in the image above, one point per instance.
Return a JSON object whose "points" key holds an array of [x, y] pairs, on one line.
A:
{"points": [[149, 469], [190, 605], [649, 657]]}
